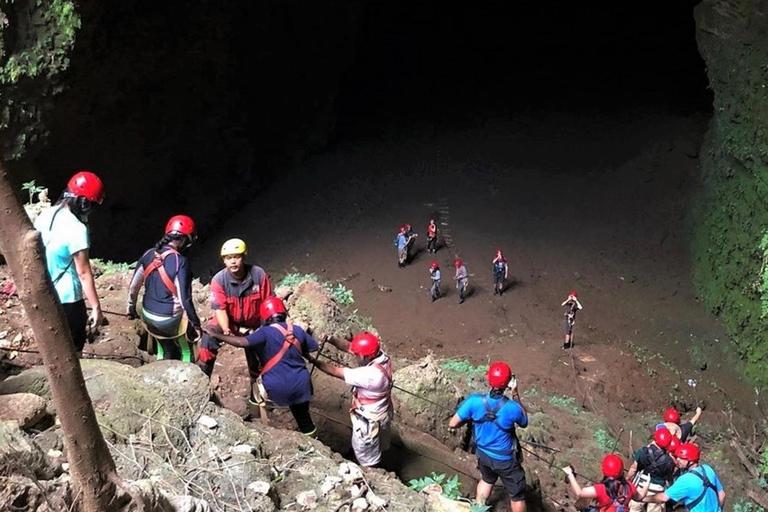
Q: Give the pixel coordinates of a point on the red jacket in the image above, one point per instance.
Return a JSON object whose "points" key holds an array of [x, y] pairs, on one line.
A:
{"points": [[241, 299]]}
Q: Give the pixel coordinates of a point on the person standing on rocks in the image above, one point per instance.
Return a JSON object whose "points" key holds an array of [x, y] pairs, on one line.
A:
{"points": [[167, 308], [371, 411], [434, 273], [237, 292], [432, 237], [571, 305], [461, 278], [279, 347], [493, 418], [500, 272], [654, 468], [64, 233]]}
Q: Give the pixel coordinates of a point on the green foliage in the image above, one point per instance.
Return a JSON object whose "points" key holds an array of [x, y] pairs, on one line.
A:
{"points": [[603, 440], [36, 39], [474, 507], [294, 279], [32, 189], [746, 505], [565, 402], [763, 467], [463, 366], [451, 487], [340, 293], [108, 268]]}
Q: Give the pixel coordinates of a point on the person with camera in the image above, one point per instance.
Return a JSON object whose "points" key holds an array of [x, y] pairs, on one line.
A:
{"points": [[493, 417], [571, 305], [613, 491]]}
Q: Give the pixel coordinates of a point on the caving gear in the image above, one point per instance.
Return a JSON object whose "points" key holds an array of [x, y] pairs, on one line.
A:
{"points": [[707, 486], [613, 466], [88, 185], [270, 307], [674, 444], [434, 266], [234, 246], [457, 263], [491, 415], [689, 452], [573, 293], [181, 225], [386, 369], [662, 437], [499, 375], [365, 345], [157, 265], [290, 341], [672, 416]]}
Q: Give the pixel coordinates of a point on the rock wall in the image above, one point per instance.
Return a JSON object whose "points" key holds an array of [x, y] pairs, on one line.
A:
{"points": [[730, 217]]}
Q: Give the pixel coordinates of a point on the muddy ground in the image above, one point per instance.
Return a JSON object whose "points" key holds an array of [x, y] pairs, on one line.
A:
{"points": [[593, 203]]}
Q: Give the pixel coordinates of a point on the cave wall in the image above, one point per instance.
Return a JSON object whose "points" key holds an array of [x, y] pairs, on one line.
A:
{"points": [[730, 216], [192, 107]]}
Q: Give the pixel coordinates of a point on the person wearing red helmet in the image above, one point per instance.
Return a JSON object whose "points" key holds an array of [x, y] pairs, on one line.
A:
{"points": [[237, 292], [404, 242], [698, 487], [371, 381], [434, 273], [571, 305], [167, 308], [493, 417], [652, 467], [432, 237], [64, 233], [500, 272], [462, 279], [613, 491], [279, 348], [681, 430]]}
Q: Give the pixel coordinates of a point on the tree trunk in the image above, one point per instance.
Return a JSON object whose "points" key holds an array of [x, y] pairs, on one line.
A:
{"points": [[92, 467]]}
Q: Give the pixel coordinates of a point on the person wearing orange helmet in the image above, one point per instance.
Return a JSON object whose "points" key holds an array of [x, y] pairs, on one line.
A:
{"points": [[237, 292], [681, 430], [698, 487], [571, 305], [371, 381], [434, 274], [167, 308], [64, 233], [432, 237], [493, 417], [500, 272], [653, 467], [462, 279], [613, 491], [279, 348]]}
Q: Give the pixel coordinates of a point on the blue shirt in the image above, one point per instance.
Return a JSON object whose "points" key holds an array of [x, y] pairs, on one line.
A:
{"points": [[63, 236], [436, 275], [688, 487], [490, 439], [288, 382], [401, 241]]}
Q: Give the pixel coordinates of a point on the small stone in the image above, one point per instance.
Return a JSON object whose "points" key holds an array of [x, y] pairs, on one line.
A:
{"points": [[307, 499], [374, 500], [355, 491], [24, 408], [360, 504], [3, 334], [242, 449], [259, 487], [207, 422], [65, 466], [329, 484], [18, 338]]}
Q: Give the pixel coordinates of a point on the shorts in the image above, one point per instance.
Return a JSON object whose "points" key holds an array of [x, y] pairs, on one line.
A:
{"points": [[510, 471], [369, 439], [77, 318]]}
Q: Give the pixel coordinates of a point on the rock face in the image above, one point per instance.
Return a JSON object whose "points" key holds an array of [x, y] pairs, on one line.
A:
{"points": [[730, 219], [24, 408]]}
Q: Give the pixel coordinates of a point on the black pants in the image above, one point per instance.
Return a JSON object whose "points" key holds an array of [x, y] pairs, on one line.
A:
{"points": [[432, 244], [303, 419], [77, 318]]}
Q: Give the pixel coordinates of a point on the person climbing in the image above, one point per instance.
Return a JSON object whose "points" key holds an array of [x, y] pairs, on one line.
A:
{"points": [[493, 418], [432, 237], [652, 468], [613, 491], [461, 278], [280, 347], [572, 305], [500, 272], [401, 242], [64, 233], [680, 430], [237, 292], [434, 273], [371, 411], [698, 487], [167, 308]]}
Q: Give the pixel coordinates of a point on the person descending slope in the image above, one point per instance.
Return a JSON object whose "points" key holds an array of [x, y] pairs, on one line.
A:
{"points": [[613, 493], [654, 468], [680, 430], [167, 308]]}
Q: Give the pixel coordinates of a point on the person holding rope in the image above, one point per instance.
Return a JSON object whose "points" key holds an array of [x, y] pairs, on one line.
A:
{"points": [[493, 418], [371, 410], [278, 348], [613, 492], [652, 468], [64, 233], [167, 308], [571, 305], [237, 292]]}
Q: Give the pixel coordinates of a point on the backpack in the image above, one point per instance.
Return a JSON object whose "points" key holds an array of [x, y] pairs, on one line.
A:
{"points": [[615, 505], [651, 462]]}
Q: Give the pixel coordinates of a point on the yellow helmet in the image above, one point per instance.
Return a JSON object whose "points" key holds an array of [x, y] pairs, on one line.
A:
{"points": [[233, 246]]}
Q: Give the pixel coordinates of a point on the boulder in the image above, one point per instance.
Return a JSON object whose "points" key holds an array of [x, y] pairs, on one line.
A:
{"points": [[312, 305], [20, 455], [24, 408]]}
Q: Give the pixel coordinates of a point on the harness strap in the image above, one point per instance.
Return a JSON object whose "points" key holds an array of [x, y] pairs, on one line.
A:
{"points": [[357, 401], [707, 485], [491, 415], [50, 228], [290, 341], [158, 265]]}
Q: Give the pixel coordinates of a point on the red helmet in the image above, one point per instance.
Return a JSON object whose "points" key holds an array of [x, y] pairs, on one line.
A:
{"points": [[499, 375], [402, 229], [457, 262], [672, 416], [364, 345], [180, 225], [662, 437], [88, 185], [573, 293], [613, 466], [674, 444], [498, 252], [688, 451], [434, 265], [271, 306]]}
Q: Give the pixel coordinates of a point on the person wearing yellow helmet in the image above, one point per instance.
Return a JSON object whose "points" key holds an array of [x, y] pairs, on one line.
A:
{"points": [[237, 292]]}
